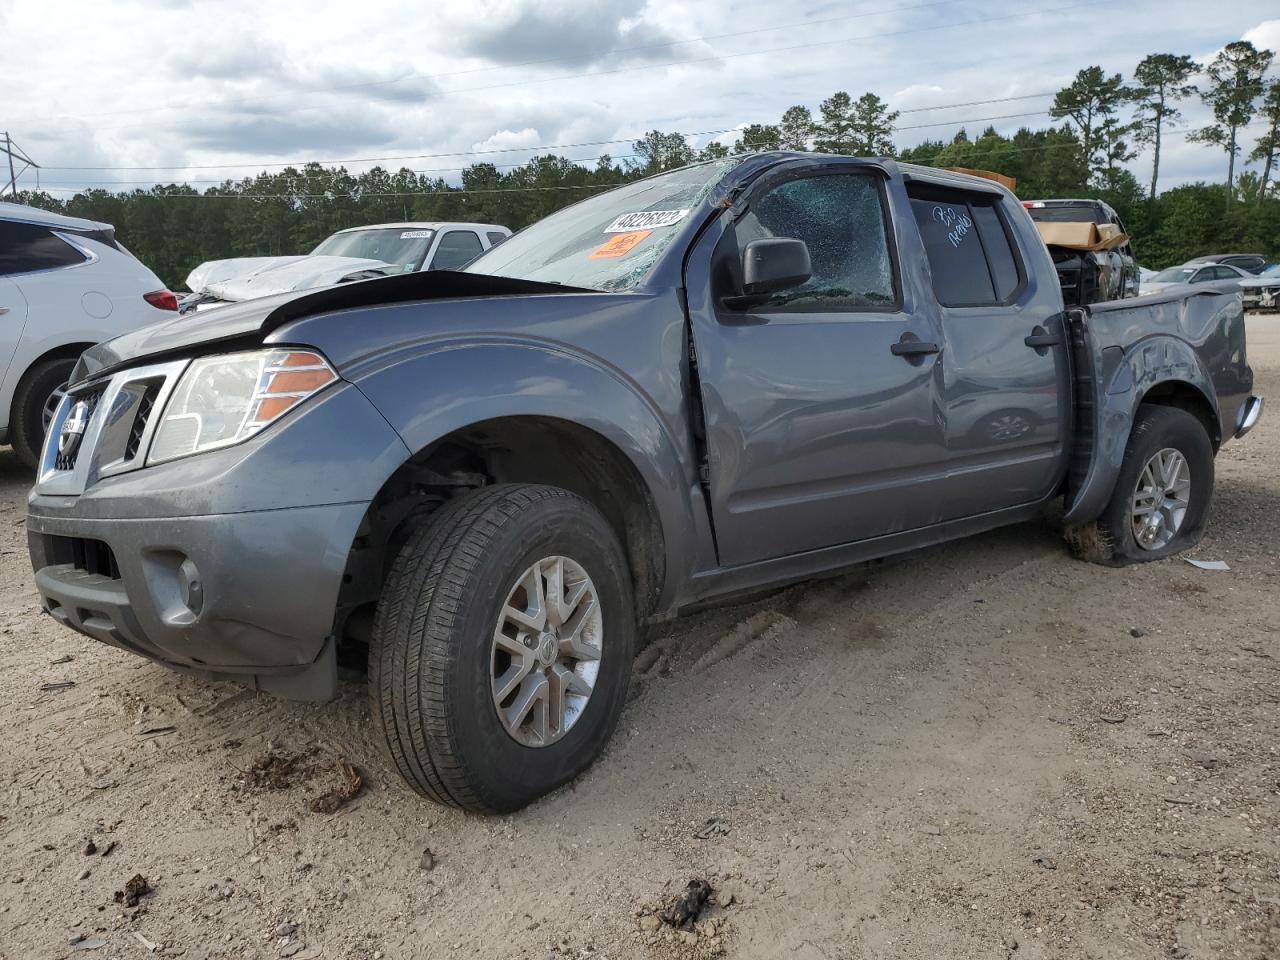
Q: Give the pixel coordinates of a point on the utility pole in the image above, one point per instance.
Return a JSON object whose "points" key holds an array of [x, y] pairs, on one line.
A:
{"points": [[13, 151], [13, 177]]}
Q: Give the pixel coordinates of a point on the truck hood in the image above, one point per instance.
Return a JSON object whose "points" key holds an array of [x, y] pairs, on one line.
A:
{"points": [[247, 278], [245, 324]]}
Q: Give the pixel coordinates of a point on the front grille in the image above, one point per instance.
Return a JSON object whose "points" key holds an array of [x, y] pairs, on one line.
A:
{"points": [[123, 410], [68, 461], [89, 556], [145, 405]]}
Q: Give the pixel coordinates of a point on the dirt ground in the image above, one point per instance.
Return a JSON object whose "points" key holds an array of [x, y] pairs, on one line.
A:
{"points": [[983, 750]]}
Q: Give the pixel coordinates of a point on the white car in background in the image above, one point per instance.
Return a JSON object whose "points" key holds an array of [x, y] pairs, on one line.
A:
{"points": [[1195, 273], [65, 285], [358, 253]]}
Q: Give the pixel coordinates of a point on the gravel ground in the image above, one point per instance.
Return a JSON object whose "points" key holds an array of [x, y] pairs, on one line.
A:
{"points": [[982, 750]]}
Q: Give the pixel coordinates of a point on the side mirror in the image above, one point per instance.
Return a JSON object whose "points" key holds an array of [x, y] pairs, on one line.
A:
{"points": [[773, 264]]}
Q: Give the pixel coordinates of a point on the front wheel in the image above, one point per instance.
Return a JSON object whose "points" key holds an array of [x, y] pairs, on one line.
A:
{"points": [[502, 647], [1161, 499]]}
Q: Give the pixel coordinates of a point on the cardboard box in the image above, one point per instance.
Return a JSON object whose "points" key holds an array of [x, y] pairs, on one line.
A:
{"points": [[1009, 182], [1081, 236]]}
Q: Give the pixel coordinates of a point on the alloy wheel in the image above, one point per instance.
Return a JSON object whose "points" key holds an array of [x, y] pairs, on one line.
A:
{"points": [[1161, 499], [546, 651]]}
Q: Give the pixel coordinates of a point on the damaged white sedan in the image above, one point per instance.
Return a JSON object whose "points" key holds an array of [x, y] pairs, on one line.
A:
{"points": [[358, 253]]}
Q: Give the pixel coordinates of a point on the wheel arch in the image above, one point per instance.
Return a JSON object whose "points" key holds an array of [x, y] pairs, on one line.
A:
{"points": [[65, 351], [488, 411], [1186, 396], [1160, 370]]}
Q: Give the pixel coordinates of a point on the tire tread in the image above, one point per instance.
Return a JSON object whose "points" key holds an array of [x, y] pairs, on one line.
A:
{"points": [[414, 636]]}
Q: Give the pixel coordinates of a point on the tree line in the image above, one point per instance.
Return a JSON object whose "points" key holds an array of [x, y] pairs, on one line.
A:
{"points": [[1103, 120]]}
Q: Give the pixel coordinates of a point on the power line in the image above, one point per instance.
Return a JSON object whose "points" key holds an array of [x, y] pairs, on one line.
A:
{"points": [[534, 148], [580, 160], [429, 170], [448, 192], [451, 192]]}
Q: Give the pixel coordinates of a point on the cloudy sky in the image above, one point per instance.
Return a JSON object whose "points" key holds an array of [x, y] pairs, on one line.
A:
{"points": [[200, 90]]}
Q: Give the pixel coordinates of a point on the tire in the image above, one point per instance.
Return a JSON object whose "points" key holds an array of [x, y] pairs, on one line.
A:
{"points": [[1112, 539], [26, 419], [433, 657]]}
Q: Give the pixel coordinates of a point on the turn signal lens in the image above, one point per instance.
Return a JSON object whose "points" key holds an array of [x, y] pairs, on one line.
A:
{"points": [[226, 399]]}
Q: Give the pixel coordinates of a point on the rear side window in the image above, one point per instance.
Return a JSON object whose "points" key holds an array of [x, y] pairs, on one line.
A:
{"points": [[970, 250], [495, 238], [457, 248], [26, 248]]}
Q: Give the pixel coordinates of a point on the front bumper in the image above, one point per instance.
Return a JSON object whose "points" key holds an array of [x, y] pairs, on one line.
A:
{"points": [[227, 563], [1260, 298], [248, 594]]}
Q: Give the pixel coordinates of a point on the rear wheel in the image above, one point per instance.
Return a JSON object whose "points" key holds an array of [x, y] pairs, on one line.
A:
{"points": [[34, 403], [502, 647], [1161, 499]]}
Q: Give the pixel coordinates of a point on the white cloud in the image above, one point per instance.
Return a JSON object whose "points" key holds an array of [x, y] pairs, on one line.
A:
{"points": [[172, 82], [1265, 36], [508, 140]]}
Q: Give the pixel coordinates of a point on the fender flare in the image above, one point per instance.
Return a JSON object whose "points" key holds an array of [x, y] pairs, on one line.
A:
{"points": [[437, 389], [1124, 378]]}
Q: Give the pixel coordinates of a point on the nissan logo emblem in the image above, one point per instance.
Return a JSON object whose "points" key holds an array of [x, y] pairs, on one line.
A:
{"points": [[73, 429]]}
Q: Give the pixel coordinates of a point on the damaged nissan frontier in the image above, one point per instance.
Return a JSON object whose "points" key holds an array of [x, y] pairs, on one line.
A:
{"points": [[693, 387]]}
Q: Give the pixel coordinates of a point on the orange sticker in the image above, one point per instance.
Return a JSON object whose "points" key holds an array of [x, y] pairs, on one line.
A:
{"points": [[620, 245]]}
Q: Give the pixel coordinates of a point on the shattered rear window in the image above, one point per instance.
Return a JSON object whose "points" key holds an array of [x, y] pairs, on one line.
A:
{"points": [[610, 241], [1068, 213]]}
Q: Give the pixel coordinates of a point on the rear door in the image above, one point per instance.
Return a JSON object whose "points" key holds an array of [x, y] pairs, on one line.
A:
{"points": [[1005, 387], [817, 432], [13, 317]]}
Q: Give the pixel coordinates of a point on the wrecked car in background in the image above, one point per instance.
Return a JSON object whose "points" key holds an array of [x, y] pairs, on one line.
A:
{"points": [[717, 380], [1263, 291], [1090, 249], [358, 253]]}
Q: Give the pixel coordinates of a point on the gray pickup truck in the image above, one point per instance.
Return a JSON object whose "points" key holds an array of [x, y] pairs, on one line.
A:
{"points": [[717, 380]]}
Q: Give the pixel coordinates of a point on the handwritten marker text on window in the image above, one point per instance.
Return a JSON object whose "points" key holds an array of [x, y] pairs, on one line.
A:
{"points": [[958, 224]]}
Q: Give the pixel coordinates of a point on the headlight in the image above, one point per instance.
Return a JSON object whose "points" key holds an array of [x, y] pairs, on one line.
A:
{"points": [[226, 399]]}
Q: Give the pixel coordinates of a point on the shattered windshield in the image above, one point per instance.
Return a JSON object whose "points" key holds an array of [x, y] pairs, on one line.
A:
{"points": [[403, 246], [610, 241]]}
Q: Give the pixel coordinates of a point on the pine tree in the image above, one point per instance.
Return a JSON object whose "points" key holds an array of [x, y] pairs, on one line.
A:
{"points": [[1235, 83], [1162, 80]]}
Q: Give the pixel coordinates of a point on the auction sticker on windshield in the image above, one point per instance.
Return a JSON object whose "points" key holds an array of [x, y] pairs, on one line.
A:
{"points": [[645, 220], [415, 234], [620, 245]]}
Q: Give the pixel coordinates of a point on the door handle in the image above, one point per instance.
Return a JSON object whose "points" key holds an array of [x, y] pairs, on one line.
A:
{"points": [[3, 311], [1041, 340], [912, 348]]}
